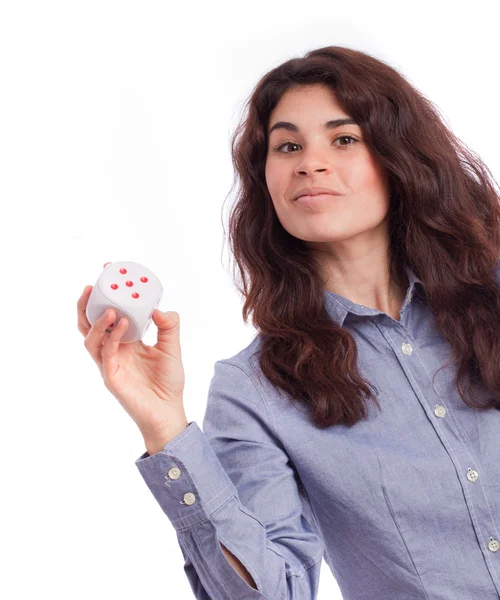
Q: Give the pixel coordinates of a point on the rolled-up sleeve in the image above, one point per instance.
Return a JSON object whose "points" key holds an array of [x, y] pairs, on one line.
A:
{"points": [[233, 483]]}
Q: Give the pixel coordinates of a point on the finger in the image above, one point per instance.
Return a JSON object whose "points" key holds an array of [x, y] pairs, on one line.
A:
{"points": [[97, 336], [83, 323], [110, 347]]}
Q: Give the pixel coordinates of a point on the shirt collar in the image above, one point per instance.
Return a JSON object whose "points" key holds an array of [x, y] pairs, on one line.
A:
{"points": [[338, 306]]}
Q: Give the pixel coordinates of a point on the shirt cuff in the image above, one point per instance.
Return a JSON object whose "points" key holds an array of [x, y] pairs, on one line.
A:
{"points": [[187, 478]]}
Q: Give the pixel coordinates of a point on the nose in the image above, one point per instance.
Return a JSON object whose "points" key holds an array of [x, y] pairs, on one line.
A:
{"points": [[306, 169], [313, 162]]}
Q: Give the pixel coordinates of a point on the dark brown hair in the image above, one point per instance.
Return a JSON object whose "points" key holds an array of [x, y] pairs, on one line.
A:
{"points": [[444, 224]]}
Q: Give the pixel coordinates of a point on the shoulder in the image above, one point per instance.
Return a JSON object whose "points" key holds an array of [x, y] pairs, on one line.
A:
{"points": [[240, 378], [246, 359]]}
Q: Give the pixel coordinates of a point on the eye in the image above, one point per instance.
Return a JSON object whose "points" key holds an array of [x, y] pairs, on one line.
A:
{"points": [[346, 137], [279, 147]]}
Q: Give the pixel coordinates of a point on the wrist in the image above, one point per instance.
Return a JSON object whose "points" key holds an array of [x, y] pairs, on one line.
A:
{"points": [[156, 441]]}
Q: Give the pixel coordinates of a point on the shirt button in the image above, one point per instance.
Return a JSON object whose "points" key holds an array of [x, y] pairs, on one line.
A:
{"points": [[189, 498], [174, 473], [472, 475], [407, 348], [493, 545], [439, 411]]}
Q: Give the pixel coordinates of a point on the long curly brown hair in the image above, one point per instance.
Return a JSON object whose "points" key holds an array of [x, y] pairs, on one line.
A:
{"points": [[444, 224]]}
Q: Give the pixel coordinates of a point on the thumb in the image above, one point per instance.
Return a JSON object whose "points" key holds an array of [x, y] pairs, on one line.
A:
{"points": [[165, 317], [168, 324]]}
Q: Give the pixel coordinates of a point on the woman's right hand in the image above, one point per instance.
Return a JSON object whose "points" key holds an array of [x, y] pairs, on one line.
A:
{"points": [[148, 381]]}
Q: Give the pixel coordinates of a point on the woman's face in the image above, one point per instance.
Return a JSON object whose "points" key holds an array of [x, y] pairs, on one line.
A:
{"points": [[314, 155]]}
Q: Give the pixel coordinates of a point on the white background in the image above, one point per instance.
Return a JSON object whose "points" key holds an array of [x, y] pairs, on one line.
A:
{"points": [[115, 121]]}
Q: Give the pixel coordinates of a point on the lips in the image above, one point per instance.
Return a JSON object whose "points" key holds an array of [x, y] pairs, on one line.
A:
{"points": [[315, 191]]}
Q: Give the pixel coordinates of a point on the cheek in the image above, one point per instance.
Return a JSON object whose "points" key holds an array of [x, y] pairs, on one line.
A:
{"points": [[276, 178], [367, 175]]}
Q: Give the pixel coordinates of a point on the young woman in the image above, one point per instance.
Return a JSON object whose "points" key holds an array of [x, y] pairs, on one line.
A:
{"points": [[361, 425]]}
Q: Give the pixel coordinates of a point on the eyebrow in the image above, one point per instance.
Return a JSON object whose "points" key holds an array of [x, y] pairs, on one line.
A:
{"points": [[328, 125]]}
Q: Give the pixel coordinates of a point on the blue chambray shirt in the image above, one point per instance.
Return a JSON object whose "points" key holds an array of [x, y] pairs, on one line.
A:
{"points": [[402, 506]]}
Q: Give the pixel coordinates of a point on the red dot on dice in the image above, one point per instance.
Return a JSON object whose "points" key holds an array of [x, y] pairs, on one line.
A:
{"points": [[123, 271], [135, 295], [144, 279], [114, 286], [129, 283]]}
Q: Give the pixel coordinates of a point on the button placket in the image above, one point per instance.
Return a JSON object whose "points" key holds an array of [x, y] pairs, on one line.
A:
{"points": [[472, 475], [407, 348], [440, 411]]}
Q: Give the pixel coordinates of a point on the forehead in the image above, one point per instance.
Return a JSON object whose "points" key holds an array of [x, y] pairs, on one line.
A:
{"points": [[301, 95], [311, 106]]}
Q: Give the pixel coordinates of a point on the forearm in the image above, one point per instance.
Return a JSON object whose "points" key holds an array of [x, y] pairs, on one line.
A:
{"points": [[238, 567], [155, 443]]}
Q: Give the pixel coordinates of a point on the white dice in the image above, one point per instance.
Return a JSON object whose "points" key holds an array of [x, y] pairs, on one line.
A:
{"points": [[132, 291]]}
